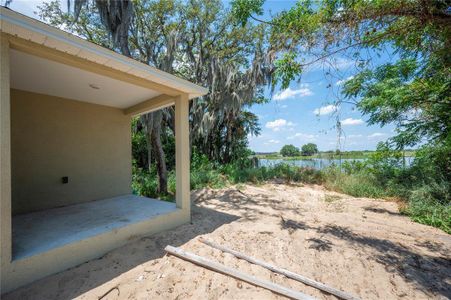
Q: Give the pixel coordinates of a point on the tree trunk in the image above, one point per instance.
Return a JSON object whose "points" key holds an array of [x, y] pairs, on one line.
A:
{"points": [[146, 121], [160, 159], [153, 125], [228, 142], [149, 150]]}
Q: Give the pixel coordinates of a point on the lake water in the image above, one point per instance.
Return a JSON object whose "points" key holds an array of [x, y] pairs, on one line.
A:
{"points": [[316, 163]]}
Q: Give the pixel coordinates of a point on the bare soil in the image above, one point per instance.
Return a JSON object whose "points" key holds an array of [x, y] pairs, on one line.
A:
{"points": [[362, 246]]}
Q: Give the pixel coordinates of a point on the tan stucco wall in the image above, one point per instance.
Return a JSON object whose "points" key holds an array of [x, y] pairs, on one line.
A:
{"points": [[53, 137]]}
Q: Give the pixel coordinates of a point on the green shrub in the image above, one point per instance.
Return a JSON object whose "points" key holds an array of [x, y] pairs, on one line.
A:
{"points": [[424, 206], [286, 172], [358, 184], [290, 150], [207, 178], [204, 173], [144, 182], [171, 182]]}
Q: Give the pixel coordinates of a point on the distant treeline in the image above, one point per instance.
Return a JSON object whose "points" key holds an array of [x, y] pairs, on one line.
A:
{"points": [[327, 154]]}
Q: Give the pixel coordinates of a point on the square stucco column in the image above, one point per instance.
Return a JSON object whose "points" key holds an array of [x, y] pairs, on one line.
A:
{"points": [[182, 157], [5, 159]]}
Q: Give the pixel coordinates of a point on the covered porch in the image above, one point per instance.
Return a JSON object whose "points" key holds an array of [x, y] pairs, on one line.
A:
{"points": [[66, 107]]}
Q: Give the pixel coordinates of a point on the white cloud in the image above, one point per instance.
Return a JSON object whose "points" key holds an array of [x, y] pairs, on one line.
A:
{"points": [[351, 121], [273, 141], [278, 124], [376, 135], [340, 82], [284, 106], [354, 136], [303, 136], [303, 91], [325, 110]]}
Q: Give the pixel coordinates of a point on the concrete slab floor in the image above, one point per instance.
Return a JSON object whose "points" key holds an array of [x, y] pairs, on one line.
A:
{"points": [[41, 231]]}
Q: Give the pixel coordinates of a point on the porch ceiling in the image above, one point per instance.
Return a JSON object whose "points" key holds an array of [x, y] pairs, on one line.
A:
{"points": [[39, 75], [55, 62]]}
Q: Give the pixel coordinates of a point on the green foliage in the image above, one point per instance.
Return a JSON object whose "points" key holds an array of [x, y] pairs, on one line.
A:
{"points": [[353, 166], [309, 149], [289, 150], [87, 25], [401, 93], [386, 165], [287, 69], [168, 140], [433, 164], [243, 9], [358, 183], [285, 172], [144, 182], [139, 144], [425, 208], [204, 173]]}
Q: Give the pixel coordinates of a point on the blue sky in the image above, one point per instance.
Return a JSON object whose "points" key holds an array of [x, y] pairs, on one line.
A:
{"points": [[304, 112]]}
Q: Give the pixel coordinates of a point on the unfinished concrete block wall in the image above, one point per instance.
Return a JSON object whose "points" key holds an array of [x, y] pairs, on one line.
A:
{"points": [[52, 138]]}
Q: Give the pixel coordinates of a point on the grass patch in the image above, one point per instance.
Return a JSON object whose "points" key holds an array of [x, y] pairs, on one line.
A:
{"points": [[357, 185], [424, 208]]}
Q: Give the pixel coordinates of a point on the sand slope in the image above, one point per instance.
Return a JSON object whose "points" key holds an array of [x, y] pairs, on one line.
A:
{"points": [[362, 246]]}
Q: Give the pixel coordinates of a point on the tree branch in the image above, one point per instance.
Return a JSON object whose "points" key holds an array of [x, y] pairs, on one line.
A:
{"points": [[346, 48]]}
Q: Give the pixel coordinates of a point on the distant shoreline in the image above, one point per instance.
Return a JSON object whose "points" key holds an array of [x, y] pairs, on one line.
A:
{"points": [[326, 155]]}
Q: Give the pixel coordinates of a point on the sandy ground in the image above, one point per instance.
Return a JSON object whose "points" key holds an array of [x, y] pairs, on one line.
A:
{"points": [[362, 246]]}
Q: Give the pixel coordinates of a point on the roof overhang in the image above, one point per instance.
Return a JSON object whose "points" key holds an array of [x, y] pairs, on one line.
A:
{"points": [[39, 39]]}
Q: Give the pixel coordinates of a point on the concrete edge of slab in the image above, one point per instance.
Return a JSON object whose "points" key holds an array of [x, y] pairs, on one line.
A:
{"points": [[27, 270]]}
